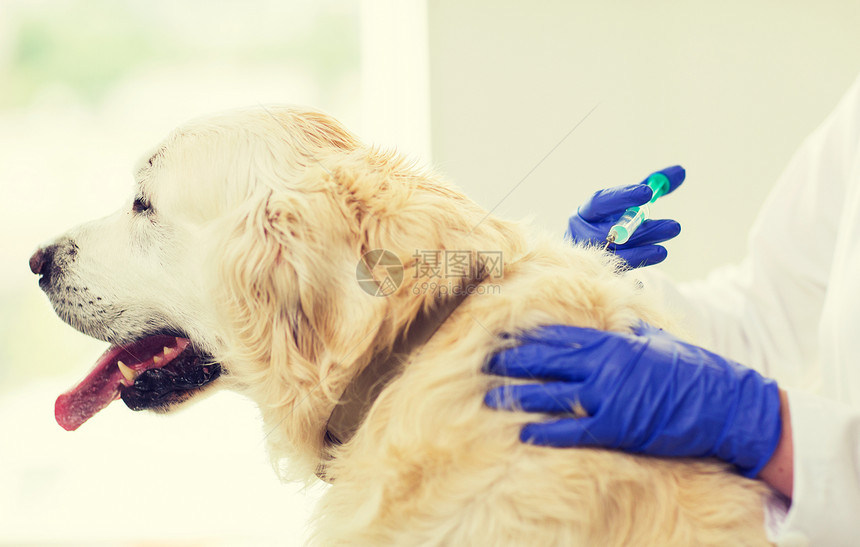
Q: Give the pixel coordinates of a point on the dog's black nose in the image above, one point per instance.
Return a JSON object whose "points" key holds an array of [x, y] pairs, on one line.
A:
{"points": [[42, 260]]}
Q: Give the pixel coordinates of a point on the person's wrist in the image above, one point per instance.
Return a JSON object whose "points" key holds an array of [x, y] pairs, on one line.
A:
{"points": [[779, 470]]}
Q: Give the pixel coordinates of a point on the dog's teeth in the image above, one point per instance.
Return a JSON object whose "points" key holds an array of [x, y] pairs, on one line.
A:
{"points": [[129, 374], [166, 349], [156, 359]]}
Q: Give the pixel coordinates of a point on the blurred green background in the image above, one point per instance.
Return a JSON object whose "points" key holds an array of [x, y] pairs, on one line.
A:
{"points": [[88, 46]]}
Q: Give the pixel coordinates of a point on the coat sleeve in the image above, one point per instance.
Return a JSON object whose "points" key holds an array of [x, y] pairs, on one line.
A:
{"points": [[826, 503], [766, 311]]}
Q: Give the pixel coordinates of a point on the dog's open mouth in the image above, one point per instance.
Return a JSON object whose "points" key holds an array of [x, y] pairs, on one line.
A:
{"points": [[152, 372]]}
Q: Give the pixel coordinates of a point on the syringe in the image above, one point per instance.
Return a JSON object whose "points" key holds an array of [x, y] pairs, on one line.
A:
{"points": [[633, 217]]}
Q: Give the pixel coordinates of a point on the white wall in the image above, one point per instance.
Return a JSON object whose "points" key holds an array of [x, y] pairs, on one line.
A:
{"points": [[727, 89], [395, 92]]}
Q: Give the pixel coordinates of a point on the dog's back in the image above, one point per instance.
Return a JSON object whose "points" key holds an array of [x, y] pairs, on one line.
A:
{"points": [[431, 465]]}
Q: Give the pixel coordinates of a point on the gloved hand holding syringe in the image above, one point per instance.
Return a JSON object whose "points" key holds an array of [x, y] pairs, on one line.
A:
{"points": [[634, 216], [611, 216]]}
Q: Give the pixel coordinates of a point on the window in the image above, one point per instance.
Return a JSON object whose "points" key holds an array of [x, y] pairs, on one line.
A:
{"points": [[86, 88]]}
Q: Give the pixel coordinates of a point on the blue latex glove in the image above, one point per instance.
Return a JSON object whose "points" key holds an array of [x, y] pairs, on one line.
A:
{"points": [[595, 217], [646, 392]]}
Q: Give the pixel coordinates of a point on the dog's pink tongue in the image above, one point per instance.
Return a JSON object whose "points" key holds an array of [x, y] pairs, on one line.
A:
{"points": [[102, 386], [95, 392]]}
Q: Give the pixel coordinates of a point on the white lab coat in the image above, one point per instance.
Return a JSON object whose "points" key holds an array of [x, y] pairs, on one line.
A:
{"points": [[791, 310]]}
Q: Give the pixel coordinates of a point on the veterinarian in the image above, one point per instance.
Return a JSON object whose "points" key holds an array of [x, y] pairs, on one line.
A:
{"points": [[789, 311]]}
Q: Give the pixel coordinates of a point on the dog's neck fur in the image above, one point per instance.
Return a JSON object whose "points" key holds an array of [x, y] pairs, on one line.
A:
{"points": [[363, 390]]}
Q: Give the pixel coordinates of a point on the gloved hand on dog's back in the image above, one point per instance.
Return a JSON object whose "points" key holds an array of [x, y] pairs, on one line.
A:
{"points": [[647, 392], [594, 218]]}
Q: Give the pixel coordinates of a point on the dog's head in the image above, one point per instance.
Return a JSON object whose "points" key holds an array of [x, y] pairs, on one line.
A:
{"points": [[234, 263]]}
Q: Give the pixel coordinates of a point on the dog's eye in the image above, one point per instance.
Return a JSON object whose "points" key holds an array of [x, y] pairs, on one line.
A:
{"points": [[141, 205]]}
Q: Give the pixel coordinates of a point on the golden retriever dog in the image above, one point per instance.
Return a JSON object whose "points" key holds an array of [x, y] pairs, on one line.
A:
{"points": [[269, 251]]}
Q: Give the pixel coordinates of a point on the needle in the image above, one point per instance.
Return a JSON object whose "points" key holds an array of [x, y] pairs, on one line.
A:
{"points": [[610, 239]]}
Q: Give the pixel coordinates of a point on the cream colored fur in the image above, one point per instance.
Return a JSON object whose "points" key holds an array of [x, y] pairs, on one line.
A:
{"points": [[431, 465], [258, 220]]}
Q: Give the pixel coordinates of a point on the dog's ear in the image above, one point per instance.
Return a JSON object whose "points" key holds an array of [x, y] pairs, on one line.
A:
{"points": [[288, 276], [297, 321]]}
